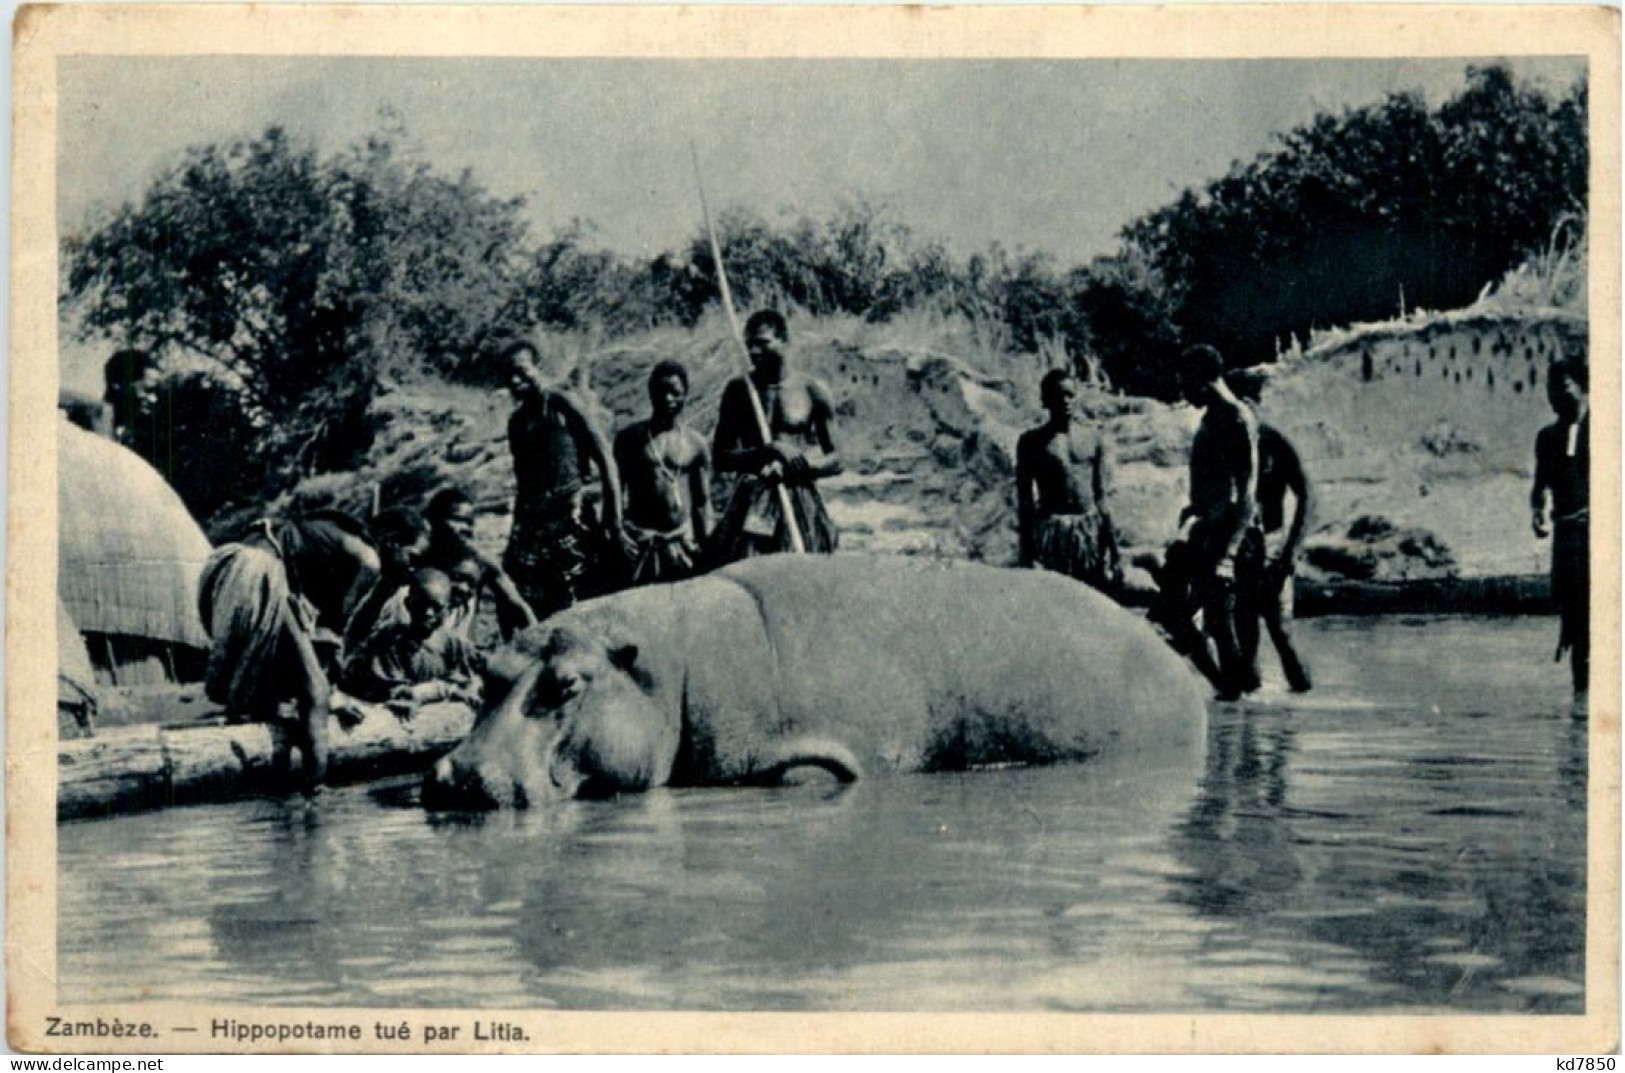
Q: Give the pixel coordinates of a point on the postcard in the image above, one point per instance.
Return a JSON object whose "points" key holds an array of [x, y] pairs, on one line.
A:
{"points": [[855, 529]]}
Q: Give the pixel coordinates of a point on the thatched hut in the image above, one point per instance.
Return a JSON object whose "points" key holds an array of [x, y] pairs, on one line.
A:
{"points": [[129, 559]]}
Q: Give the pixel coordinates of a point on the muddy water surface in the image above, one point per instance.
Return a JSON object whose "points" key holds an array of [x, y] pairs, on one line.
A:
{"points": [[1409, 836]]}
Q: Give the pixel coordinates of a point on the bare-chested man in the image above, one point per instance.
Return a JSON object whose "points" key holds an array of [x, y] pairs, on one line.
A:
{"points": [[1561, 503], [450, 514], [555, 445], [1280, 471], [1063, 474], [665, 470], [800, 418], [1220, 524]]}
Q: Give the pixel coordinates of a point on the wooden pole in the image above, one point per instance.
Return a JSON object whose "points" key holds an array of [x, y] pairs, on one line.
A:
{"points": [[797, 545], [123, 769]]}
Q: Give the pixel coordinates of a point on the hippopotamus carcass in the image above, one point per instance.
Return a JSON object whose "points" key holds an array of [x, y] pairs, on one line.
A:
{"points": [[855, 664]]}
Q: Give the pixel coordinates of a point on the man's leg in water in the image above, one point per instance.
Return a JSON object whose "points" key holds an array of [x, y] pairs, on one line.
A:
{"points": [[1249, 609], [1220, 612], [1580, 655], [1175, 607], [1276, 613]]}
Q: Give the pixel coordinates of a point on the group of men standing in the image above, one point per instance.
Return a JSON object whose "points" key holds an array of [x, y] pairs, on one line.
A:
{"points": [[1233, 560], [655, 522], [385, 607], [388, 604]]}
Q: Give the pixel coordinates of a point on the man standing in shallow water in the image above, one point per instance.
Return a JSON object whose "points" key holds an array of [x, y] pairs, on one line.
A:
{"points": [[800, 450], [1220, 525], [1063, 474], [666, 469], [1563, 483], [1280, 471], [555, 445]]}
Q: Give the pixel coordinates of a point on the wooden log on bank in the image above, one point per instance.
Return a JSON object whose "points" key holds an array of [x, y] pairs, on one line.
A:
{"points": [[127, 769], [1510, 594], [1513, 594]]}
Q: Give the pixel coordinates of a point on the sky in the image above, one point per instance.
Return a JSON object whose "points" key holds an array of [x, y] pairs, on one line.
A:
{"points": [[1042, 155]]}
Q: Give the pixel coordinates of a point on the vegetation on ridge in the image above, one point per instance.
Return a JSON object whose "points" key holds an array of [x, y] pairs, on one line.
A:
{"points": [[282, 288]]}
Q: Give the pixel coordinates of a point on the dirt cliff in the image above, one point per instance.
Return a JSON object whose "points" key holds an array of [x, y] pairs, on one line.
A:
{"points": [[1418, 435]]}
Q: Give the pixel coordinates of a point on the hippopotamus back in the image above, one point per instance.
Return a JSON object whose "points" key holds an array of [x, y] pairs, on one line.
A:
{"points": [[852, 662], [938, 665]]}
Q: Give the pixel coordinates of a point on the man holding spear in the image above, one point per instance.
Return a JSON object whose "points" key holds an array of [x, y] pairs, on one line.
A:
{"points": [[774, 430], [798, 450]]}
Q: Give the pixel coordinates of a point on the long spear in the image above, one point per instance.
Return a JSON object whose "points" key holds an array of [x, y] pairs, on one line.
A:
{"points": [[797, 545]]}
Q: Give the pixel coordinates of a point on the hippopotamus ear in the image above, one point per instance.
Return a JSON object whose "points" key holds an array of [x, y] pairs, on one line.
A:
{"points": [[621, 648], [501, 671]]}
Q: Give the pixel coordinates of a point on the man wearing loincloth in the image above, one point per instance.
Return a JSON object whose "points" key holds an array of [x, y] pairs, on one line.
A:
{"points": [[665, 469], [1561, 502], [1280, 471], [555, 447], [1219, 526], [799, 451], [1063, 474], [263, 600]]}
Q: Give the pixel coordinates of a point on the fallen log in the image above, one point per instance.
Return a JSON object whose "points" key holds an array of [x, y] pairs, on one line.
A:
{"points": [[125, 769], [1509, 594]]}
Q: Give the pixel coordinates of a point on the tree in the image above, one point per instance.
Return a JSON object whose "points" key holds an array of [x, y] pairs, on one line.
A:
{"points": [[1349, 209], [301, 281]]}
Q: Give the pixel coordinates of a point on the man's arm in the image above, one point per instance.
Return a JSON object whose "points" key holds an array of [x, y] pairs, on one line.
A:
{"points": [[1104, 477], [1026, 508], [1539, 495], [699, 491], [599, 453], [1242, 467], [629, 461], [511, 604], [625, 457], [826, 460], [1303, 496], [367, 594]]}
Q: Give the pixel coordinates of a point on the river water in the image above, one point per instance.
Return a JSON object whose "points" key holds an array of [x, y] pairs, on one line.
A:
{"points": [[1410, 836]]}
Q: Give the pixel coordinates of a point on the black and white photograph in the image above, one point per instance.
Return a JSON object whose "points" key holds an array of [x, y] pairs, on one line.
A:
{"points": [[546, 531]]}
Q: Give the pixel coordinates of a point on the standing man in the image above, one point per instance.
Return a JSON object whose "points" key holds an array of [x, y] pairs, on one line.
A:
{"points": [[1220, 524], [1063, 475], [1561, 503], [800, 450], [666, 470], [130, 389], [1279, 471], [555, 445]]}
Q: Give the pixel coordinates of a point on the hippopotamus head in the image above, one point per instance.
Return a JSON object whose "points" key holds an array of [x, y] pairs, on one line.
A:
{"points": [[570, 712]]}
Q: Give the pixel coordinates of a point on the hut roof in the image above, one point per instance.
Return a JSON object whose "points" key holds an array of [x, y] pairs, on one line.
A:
{"points": [[72, 660], [130, 553]]}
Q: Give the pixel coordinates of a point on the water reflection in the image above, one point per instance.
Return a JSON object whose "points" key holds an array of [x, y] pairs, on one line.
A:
{"points": [[1237, 839], [1397, 840], [1440, 845]]}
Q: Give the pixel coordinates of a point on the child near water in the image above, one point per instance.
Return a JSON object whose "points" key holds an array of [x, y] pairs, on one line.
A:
{"points": [[409, 663]]}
